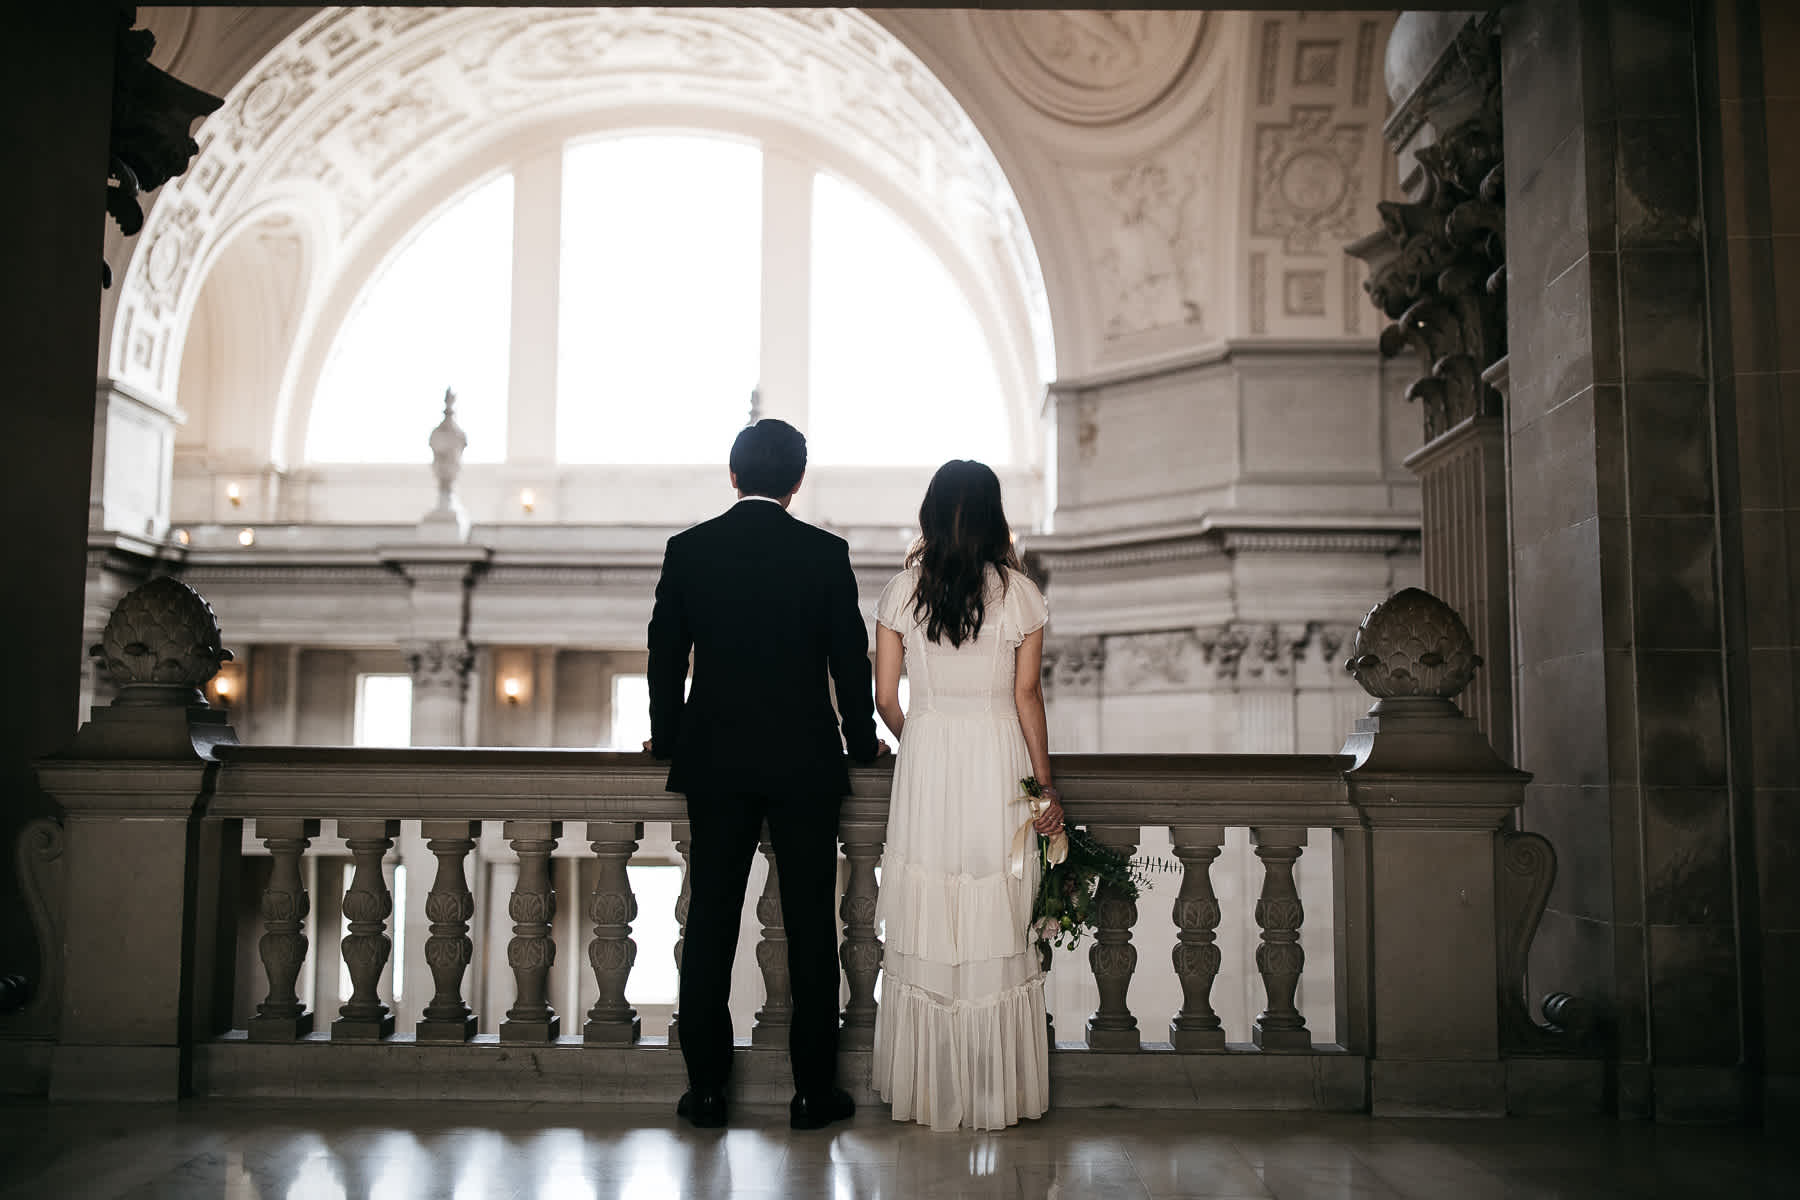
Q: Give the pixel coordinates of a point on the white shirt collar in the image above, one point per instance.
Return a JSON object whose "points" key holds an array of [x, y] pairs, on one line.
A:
{"points": [[764, 499]]}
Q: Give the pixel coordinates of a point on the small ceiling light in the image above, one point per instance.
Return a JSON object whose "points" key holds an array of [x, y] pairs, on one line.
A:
{"points": [[182, 537], [512, 688], [246, 536], [234, 494], [528, 500]]}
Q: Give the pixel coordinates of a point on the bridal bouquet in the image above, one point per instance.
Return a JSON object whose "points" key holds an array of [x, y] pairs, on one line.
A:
{"points": [[1073, 868]]}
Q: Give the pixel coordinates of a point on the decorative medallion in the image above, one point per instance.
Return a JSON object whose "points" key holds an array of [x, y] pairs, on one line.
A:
{"points": [[1092, 68]]}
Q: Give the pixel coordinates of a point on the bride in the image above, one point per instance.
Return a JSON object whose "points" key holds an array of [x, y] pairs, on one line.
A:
{"points": [[960, 1037]]}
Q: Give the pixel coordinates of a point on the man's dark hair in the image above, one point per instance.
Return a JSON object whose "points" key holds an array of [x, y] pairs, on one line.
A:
{"points": [[768, 458]]}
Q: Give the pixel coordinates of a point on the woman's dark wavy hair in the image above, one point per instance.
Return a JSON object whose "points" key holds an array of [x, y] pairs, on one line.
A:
{"points": [[962, 531]]}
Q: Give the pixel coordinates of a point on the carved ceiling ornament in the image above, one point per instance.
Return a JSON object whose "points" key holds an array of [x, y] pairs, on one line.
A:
{"points": [[360, 107], [1154, 264], [1308, 183], [1091, 68]]}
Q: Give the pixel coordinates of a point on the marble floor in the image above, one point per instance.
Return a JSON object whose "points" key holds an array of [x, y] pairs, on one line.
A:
{"points": [[532, 1152]]}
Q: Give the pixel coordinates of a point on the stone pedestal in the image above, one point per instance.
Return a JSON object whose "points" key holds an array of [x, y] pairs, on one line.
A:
{"points": [[144, 870]]}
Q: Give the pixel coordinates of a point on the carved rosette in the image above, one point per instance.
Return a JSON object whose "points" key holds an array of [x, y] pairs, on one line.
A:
{"points": [[1413, 645], [1113, 957], [1196, 956], [777, 1012], [1437, 265], [161, 639], [532, 950], [285, 905], [1091, 68], [448, 950], [1279, 958], [612, 908], [860, 953]]}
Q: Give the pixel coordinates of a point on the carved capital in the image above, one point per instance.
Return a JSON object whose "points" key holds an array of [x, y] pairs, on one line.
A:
{"points": [[440, 666]]}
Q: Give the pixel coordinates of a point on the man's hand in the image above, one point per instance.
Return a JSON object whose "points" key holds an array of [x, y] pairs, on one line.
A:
{"points": [[649, 747], [882, 750]]}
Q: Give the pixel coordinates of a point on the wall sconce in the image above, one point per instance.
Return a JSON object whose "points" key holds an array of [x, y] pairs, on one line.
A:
{"points": [[234, 494], [513, 688], [528, 500], [183, 537], [225, 687], [246, 536]]}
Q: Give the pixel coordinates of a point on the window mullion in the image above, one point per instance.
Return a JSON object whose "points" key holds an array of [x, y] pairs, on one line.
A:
{"points": [[786, 288], [536, 275]]}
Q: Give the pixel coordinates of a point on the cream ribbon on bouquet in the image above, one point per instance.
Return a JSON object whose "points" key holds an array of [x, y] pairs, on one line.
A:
{"points": [[1055, 852]]}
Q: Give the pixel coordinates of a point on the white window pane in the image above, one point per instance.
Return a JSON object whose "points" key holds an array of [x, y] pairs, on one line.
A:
{"points": [[383, 710], [653, 977], [659, 325], [630, 712], [437, 314], [901, 370]]}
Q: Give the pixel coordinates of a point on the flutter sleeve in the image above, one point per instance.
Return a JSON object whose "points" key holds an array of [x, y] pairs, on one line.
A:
{"points": [[1026, 606], [895, 607]]}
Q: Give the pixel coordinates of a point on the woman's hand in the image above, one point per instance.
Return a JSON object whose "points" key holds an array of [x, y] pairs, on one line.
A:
{"points": [[1050, 817]]}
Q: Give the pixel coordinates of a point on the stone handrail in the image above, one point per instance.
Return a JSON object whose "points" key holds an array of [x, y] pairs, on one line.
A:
{"points": [[1432, 919]]}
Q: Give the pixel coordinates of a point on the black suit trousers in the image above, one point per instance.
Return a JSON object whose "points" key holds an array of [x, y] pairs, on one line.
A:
{"points": [[724, 830]]}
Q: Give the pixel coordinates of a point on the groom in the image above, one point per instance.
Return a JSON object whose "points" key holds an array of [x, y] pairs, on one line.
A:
{"points": [[768, 606]]}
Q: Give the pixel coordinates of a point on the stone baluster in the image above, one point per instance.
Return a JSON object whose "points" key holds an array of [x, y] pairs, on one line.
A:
{"points": [[532, 950], [1196, 952], [449, 907], [777, 1012], [678, 833], [861, 952], [285, 905], [612, 908], [1113, 957], [367, 906], [1279, 958]]}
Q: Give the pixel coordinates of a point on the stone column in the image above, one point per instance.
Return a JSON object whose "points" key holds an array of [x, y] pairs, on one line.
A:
{"points": [[532, 951], [58, 92], [368, 904], [1629, 590], [861, 950], [440, 675], [777, 1013], [1196, 954], [448, 950], [679, 835], [1112, 957], [1438, 272], [612, 908]]}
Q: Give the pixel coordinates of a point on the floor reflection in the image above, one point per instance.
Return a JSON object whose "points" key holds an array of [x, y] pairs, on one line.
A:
{"points": [[527, 1152]]}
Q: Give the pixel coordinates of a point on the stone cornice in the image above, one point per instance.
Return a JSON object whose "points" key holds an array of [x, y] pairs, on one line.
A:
{"points": [[1224, 536], [1218, 353]]}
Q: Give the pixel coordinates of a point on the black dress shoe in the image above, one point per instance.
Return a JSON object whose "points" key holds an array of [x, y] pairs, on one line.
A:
{"points": [[703, 1107], [821, 1109]]}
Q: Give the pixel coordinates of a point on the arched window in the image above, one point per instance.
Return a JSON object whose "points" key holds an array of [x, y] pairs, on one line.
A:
{"points": [[435, 315], [659, 329], [902, 372]]}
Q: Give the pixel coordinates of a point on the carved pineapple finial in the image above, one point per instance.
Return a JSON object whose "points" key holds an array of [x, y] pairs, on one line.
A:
{"points": [[1413, 645], [162, 633]]}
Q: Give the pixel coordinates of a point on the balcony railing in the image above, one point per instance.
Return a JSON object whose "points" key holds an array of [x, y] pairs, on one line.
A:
{"points": [[1435, 902]]}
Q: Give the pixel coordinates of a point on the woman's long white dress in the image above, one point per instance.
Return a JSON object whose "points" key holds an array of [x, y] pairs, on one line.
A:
{"points": [[960, 1036]]}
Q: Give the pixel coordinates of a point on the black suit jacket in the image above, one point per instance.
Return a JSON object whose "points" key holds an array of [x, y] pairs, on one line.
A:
{"points": [[767, 604]]}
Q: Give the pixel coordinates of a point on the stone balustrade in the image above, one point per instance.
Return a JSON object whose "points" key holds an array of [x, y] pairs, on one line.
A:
{"points": [[1428, 925]]}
